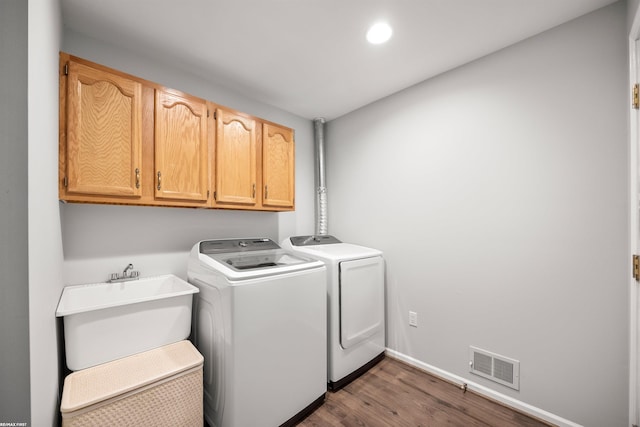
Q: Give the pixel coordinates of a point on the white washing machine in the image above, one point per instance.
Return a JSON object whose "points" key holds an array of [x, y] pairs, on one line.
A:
{"points": [[356, 314], [260, 321]]}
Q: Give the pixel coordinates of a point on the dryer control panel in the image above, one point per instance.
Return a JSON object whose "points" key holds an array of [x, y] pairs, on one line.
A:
{"points": [[323, 239]]}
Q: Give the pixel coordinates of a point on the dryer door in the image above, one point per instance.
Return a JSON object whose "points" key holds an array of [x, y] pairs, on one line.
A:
{"points": [[361, 299]]}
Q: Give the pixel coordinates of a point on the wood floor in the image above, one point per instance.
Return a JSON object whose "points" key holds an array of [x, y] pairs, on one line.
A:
{"points": [[395, 394]]}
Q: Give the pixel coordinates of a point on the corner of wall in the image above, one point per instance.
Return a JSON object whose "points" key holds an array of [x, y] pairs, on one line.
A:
{"points": [[45, 237]]}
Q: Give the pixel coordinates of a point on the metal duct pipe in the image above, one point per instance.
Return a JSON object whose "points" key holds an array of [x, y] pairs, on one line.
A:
{"points": [[321, 202]]}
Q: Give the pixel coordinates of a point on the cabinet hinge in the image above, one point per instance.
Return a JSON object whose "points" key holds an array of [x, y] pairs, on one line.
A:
{"points": [[636, 268], [65, 181], [635, 97], [66, 69]]}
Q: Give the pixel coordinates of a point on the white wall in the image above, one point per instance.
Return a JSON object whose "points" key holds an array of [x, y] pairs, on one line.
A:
{"points": [[45, 240], [99, 240], [632, 6], [498, 193], [14, 265]]}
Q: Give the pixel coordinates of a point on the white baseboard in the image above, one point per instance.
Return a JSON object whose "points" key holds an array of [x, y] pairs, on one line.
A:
{"points": [[484, 391]]}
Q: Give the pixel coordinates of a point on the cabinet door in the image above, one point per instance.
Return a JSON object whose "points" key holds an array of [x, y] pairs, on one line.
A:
{"points": [[278, 158], [181, 148], [104, 138], [235, 159]]}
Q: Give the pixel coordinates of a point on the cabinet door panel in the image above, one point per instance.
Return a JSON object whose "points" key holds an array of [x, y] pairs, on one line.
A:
{"points": [[235, 159], [180, 148], [278, 157], [103, 133]]}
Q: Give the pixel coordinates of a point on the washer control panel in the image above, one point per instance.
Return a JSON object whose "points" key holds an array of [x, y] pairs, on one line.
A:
{"points": [[236, 245]]}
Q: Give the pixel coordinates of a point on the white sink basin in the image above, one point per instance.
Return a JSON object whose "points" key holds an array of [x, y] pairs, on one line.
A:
{"points": [[107, 321]]}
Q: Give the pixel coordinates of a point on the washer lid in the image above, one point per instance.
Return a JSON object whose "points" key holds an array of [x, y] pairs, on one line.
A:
{"points": [[241, 259], [254, 260]]}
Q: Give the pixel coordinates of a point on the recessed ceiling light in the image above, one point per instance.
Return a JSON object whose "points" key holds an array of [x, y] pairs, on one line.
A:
{"points": [[379, 33]]}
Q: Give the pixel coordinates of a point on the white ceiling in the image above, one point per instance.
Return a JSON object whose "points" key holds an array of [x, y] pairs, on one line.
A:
{"points": [[310, 57]]}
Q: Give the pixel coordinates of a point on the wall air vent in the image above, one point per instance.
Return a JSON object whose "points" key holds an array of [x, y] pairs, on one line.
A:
{"points": [[500, 369]]}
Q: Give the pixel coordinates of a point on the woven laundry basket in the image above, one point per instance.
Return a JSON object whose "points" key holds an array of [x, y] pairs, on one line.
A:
{"points": [[160, 387]]}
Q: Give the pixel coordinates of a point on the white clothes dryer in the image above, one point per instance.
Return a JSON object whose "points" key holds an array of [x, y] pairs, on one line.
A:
{"points": [[260, 322], [355, 294]]}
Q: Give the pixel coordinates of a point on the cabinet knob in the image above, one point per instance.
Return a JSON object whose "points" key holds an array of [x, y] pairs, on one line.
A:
{"points": [[254, 191], [159, 180], [137, 178], [266, 191]]}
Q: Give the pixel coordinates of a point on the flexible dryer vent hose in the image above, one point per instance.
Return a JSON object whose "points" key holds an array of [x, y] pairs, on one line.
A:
{"points": [[321, 202]]}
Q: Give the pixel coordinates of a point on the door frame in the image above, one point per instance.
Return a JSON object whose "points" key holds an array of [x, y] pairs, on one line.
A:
{"points": [[634, 204]]}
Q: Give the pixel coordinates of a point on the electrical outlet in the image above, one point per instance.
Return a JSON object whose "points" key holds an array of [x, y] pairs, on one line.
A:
{"points": [[413, 319]]}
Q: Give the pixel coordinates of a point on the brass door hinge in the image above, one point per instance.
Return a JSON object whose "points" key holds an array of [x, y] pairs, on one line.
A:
{"points": [[636, 268], [635, 97]]}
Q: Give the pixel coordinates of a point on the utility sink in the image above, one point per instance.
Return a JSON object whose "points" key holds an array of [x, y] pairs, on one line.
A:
{"points": [[107, 321]]}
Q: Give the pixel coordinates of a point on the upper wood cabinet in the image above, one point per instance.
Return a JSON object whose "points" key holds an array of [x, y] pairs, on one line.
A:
{"points": [[102, 155], [235, 159], [126, 140], [278, 158], [181, 147]]}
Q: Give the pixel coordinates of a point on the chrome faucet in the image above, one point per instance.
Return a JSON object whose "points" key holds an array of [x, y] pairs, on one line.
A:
{"points": [[128, 274], [127, 268]]}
